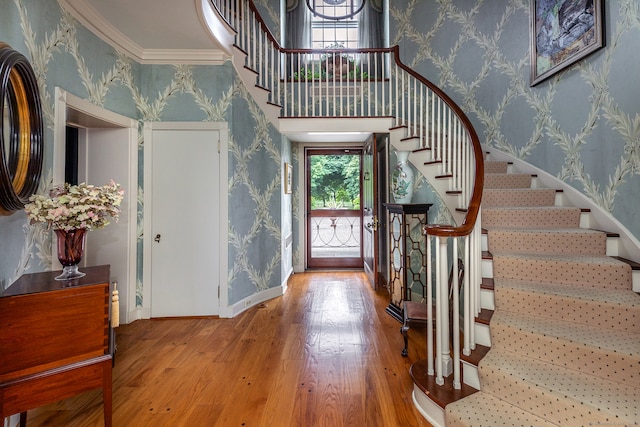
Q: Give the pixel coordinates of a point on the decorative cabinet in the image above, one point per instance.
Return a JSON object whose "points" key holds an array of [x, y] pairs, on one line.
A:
{"points": [[55, 340], [407, 254]]}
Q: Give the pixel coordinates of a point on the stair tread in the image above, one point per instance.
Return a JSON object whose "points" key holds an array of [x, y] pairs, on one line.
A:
{"points": [[518, 197], [581, 270], [557, 384], [575, 258], [472, 410], [623, 342], [621, 297], [565, 230]]}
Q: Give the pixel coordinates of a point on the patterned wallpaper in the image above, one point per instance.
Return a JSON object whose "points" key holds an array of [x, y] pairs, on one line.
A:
{"points": [[65, 54], [582, 125]]}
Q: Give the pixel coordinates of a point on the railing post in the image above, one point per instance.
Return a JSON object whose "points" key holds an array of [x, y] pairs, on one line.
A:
{"points": [[455, 288], [430, 370]]}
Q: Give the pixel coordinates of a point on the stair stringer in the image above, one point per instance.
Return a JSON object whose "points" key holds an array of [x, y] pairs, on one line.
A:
{"points": [[250, 79], [225, 35], [429, 171]]}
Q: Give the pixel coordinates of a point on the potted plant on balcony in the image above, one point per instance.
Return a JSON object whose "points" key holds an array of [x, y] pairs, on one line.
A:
{"points": [[333, 65]]}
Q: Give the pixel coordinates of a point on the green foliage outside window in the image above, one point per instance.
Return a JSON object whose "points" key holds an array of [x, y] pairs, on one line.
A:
{"points": [[335, 182]]}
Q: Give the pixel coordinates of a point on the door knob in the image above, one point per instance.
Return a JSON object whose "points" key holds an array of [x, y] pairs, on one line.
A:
{"points": [[157, 238]]}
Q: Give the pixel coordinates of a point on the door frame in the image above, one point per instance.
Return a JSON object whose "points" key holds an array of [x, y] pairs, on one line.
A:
{"points": [[70, 109], [372, 229], [302, 148], [224, 310]]}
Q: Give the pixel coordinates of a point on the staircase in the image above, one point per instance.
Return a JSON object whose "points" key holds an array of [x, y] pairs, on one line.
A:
{"points": [[565, 333]]}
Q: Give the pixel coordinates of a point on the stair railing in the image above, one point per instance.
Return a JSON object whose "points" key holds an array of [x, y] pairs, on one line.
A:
{"points": [[311, 83]]}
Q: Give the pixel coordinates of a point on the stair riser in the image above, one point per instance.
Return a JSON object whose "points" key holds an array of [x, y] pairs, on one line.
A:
{"points": [[518, 197], [591, 360], [487, 268], [482, 334], [594, 314], [611, 245], [531, 218], [487, 300], [612, 276], [470, 375], [540, 242], [499, 180], [496, 167]]}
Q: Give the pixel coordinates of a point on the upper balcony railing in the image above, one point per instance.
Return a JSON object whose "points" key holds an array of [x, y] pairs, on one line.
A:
{"points": [[375, 83]]}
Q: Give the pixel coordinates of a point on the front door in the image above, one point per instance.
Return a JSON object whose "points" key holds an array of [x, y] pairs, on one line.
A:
{"points": [[185, 222], [334, 211]]}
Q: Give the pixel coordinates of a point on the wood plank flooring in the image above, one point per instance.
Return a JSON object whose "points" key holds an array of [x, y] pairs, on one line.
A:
{"points": [[324, 354]]}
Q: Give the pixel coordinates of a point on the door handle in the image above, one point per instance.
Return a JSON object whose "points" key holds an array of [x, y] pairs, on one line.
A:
{"points": [[376, 223], [157, 238]]}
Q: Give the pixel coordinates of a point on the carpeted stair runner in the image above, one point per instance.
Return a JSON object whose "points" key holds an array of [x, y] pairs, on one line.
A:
{"points": [[566, 328]]}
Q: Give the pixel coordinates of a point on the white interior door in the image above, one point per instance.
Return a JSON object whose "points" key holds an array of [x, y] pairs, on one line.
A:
{"points": [[185, 228]]}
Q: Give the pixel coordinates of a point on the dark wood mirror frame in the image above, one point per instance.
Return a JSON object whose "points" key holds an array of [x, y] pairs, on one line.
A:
{"points": [[21, 156]]}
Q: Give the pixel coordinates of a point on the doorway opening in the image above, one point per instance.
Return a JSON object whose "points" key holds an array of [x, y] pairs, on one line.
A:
{"points": [[334, 211], [95, 145]]}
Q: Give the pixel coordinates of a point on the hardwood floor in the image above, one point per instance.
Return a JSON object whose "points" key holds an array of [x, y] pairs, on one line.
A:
{"points": [[324, 354]]}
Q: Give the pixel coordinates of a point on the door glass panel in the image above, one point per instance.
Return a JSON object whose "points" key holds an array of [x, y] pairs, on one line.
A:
{"points": [[335, 215]]}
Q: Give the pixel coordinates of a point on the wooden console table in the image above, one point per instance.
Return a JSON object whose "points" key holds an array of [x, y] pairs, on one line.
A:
{"points": [[54, 341]]}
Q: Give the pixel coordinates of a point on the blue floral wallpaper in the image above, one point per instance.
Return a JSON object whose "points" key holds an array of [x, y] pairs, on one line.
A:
{"points": [[582, 125], [65, 54]]}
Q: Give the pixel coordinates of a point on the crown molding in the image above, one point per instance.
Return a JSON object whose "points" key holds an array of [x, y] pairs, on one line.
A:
{"points": [[95, 22]]}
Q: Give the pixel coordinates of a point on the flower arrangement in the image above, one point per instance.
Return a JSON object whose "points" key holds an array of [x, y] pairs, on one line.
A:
{"points": [[71, 207]]}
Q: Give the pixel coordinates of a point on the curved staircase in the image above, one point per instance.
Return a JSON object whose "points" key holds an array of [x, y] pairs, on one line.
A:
{"points": [[565, 332], [564, 328]]}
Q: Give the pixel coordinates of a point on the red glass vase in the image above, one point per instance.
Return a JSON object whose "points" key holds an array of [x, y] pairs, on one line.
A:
{"points": [[70, 251]]}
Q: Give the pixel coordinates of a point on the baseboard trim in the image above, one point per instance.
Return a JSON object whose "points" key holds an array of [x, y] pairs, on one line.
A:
{"points": [[255, 299], [137, 314], [428, 408]]}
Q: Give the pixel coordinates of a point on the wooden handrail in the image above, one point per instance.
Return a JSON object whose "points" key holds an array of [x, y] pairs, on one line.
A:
{"points": [[473, 209]]}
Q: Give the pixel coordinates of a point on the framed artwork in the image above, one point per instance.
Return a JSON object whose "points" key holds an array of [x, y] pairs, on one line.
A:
{"points": [[288, 178], [563, 32]]}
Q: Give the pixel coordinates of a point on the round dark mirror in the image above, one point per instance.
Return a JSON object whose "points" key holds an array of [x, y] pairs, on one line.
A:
{"points": [[21, 131]]}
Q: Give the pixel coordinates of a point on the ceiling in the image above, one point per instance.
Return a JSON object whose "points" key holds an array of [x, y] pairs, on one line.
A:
{"points": [[150, 31], [172, 32]]}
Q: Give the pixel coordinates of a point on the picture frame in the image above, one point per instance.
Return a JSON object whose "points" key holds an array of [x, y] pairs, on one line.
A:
{"points": [[288, 178], [561, 33]]}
